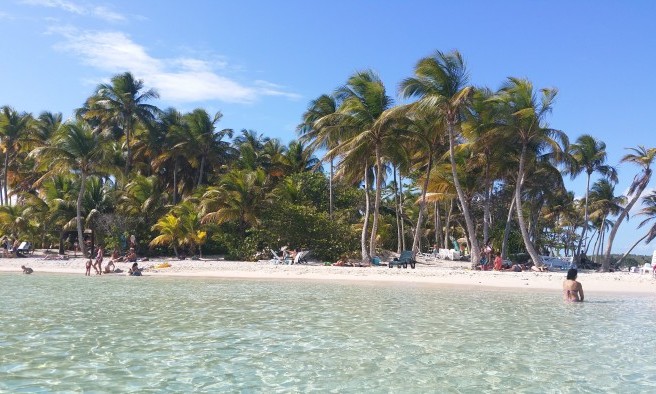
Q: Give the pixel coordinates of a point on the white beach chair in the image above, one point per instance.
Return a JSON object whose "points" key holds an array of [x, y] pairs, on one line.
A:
{"points": [[443, 254], [277, 259], [454, 254], [646, 269]]}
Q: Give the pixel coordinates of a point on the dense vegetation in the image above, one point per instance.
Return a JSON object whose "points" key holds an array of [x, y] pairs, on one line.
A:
{"points": [[458, 161]]}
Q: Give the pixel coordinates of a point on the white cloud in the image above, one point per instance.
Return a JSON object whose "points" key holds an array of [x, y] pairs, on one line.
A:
{"points": [[101, 12], [183, 79]]}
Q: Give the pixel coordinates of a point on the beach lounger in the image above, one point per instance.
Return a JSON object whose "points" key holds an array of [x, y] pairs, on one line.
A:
{"points": [[404, 260], [646, 269], [278, 260], [25, 248], [301, 257]]}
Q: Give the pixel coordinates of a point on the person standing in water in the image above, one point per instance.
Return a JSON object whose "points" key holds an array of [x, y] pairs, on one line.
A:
{"points": [[572, 289]]}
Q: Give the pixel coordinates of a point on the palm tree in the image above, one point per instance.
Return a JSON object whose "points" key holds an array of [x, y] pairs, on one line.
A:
{"points": [[441, 84], [299, 158], [170, 232], [122, 103], [604, 203], [205, 140], [648, 210], [13, 127], [524, 121], [644, 158], [589, 154], [322, 134], [361, 117], [76, 149]]}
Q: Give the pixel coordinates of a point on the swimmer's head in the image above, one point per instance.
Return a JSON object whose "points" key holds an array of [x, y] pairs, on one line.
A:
{"points": [[571, 274]]}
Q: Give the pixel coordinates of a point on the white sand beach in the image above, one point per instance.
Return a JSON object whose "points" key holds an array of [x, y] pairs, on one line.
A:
{"points": [[433, 272]]}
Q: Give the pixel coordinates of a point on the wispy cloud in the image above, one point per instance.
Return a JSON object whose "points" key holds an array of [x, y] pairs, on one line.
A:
{"points": [[101, 12], [183, 79]]}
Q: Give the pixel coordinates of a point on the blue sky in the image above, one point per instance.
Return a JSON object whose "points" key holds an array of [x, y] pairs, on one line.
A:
{"points": [[261, 62]]}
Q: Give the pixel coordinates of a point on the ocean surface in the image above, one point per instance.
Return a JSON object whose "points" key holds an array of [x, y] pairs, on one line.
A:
{"points": [[64, 333]]}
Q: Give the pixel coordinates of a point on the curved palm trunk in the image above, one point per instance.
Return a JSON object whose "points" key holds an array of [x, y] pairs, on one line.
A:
{"points": [[605, 266], [520, 217], [379, 184], [175, 181], [175, 250], [422, 208], [631, 249], [506, 231], [471, 230], [398, 214], [128, 138], [363, 239], [78, 217]]}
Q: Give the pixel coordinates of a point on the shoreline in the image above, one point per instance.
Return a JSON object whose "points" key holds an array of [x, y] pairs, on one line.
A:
{"points": [[434, 272]]}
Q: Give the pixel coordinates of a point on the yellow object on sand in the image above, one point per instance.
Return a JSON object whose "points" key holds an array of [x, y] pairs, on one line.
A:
{"points": [[163, 265]]}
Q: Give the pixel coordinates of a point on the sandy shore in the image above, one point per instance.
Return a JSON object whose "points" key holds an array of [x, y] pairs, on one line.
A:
{"points": [[435, 272]]}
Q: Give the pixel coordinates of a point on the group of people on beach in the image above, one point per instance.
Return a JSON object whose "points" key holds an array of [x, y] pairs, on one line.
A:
{"points": [[110, 267], [10, 247]]}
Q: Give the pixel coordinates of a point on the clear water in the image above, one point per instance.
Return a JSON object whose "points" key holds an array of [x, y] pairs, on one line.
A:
{"points": [[123, 334]]}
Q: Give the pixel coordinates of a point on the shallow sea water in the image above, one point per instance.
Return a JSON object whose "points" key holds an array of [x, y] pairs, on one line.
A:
{"points": [[63, 333]]}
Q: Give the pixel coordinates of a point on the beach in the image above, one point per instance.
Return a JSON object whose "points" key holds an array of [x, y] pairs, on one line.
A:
{"points": [[428, 272]]}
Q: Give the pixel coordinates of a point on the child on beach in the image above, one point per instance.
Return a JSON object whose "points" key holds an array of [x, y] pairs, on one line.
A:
{"points": [[88, 267], [27, 270]]}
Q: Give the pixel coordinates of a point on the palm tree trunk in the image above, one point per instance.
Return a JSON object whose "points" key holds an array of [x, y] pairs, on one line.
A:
{"points": [[471, 230], [78, 217], [401, 212], [175, 250], [438, 225], [422, 208], [398, 214], [128, 137], [200, 171], [606, 262], [5, 176], [520, 216], [486, 203], [363, 239], [631, 249], [506, 231], [447, 224], [585, 220], [379, 184], [175, 181], [330, 189]]}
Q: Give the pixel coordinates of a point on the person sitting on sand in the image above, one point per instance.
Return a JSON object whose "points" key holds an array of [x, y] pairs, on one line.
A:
{"points": [[27, 270], [88, 268], [498, 262], [110, 267], [572, 290], [131, 256], [116, 257], [134, 270]]}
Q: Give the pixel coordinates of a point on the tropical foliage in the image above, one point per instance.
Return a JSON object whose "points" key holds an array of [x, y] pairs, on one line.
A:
{"points": [[451, 162]]}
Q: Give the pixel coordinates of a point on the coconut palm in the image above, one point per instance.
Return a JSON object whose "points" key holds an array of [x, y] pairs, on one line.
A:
{"points": [[361, 118], [121, 103], [75, 149], [322, 135], [589, 154], [524, 122], [604, 203], [14, 126], [170, 232], [441, 84], [644, 158], [299, 158]]}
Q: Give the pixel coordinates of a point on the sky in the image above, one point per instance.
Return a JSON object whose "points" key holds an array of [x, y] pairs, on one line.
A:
{"points": [[261, 62]]}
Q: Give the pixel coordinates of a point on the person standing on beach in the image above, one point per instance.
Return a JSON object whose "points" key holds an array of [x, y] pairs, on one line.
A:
{"points": [[99, 259], [133, 241], [5, 247], [88, 268], [572, 290]]}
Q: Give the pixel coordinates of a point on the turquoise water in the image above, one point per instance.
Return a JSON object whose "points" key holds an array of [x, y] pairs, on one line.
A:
{"points": [[124, 334]]}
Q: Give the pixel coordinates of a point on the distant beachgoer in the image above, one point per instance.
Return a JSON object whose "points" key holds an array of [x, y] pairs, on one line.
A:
{"points": [[498, 262], [572, 290], [5, 247], [99, 259], [487, 250], [133, 241], [27, 270], [88, 267], [131, 256], [116, 257], [109, 270], [135, 270]]}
